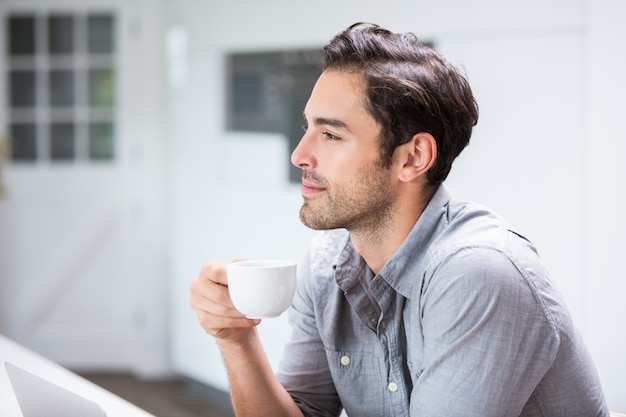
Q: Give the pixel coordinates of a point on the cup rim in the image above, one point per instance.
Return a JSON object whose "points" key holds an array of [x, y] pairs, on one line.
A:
{"points": [[262, 263]]}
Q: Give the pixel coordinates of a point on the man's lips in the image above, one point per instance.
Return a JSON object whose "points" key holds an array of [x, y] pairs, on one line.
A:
{"points": [[310, 189]]}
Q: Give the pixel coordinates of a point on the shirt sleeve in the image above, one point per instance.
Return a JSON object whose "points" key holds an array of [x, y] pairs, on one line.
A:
{"points": [[487, 337], [303, 370]]}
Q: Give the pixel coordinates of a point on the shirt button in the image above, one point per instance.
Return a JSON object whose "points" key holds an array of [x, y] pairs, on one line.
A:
{"points": [[393, 387], [345, 360]]}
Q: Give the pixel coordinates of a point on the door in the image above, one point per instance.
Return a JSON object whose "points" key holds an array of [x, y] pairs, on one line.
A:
{"points": [[81, 208]]}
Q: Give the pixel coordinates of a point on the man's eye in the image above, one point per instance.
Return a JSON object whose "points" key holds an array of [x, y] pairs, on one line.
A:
{"points": [[304, 127], [330, 136]]}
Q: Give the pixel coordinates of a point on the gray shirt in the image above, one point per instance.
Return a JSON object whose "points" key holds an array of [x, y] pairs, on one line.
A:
{"points": [[463, 320]]}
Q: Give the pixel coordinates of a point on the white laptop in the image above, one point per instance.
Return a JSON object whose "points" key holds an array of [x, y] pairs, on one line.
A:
{"points": [[38, 397]]}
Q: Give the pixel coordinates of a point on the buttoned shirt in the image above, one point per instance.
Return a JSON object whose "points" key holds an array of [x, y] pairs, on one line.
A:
{"points": [[463, 320]]}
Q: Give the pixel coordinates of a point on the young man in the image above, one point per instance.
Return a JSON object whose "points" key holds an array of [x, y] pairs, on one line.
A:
{"points": [[409, 303]]}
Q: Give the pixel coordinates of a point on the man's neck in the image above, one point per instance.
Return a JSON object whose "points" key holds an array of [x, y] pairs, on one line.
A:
{"points": [[378, 245]]}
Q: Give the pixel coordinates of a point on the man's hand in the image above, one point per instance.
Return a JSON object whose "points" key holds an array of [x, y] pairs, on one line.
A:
{"points": [[211, 302], [241, 348]]}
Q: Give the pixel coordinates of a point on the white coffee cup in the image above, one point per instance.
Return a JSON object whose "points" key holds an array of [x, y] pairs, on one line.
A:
{"points": [[263, 288]]}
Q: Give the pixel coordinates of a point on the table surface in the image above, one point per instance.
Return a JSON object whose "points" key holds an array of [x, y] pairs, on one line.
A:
{"points": [[10, 351]]}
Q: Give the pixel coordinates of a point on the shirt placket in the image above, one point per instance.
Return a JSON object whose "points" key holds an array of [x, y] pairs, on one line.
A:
{"points": [[389, 335]]}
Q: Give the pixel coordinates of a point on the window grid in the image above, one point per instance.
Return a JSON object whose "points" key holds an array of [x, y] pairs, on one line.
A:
{"points": [[61, 95]]}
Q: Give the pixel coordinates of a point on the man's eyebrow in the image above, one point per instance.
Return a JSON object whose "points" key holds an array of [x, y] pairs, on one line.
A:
{"points": [[330, 122]]}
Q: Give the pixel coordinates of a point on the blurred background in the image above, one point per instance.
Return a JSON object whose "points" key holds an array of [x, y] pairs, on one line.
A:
{"points": [[142, 138]]}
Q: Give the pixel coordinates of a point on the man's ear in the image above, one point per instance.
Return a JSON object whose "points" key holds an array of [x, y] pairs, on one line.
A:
{"points": [[418, 156]]}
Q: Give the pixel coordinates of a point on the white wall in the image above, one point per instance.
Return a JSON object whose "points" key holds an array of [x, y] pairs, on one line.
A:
{"points": [[549, 114], [606, 195], [82, 245]]}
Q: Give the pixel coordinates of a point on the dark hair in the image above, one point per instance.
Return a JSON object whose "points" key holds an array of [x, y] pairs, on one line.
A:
{"points": [[410, 89]]}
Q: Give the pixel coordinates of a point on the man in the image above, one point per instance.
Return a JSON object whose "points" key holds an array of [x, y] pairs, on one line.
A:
{"points": [[409, 303]]}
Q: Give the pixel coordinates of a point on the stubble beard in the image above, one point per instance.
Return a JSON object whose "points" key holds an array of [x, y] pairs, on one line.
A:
{"points": [[363, 207]]}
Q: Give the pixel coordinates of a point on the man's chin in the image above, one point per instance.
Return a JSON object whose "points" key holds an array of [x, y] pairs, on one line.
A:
{"points": [[312, 221]]}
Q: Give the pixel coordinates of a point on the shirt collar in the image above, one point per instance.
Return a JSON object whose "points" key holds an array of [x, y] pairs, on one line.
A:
{"points": [[400, 269]]}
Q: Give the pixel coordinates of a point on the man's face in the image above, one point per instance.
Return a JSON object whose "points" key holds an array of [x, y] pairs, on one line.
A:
{"points": [[344, 184]]}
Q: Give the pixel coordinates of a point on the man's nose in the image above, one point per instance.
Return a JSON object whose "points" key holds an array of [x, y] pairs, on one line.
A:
{"points": [[301, 156]]}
